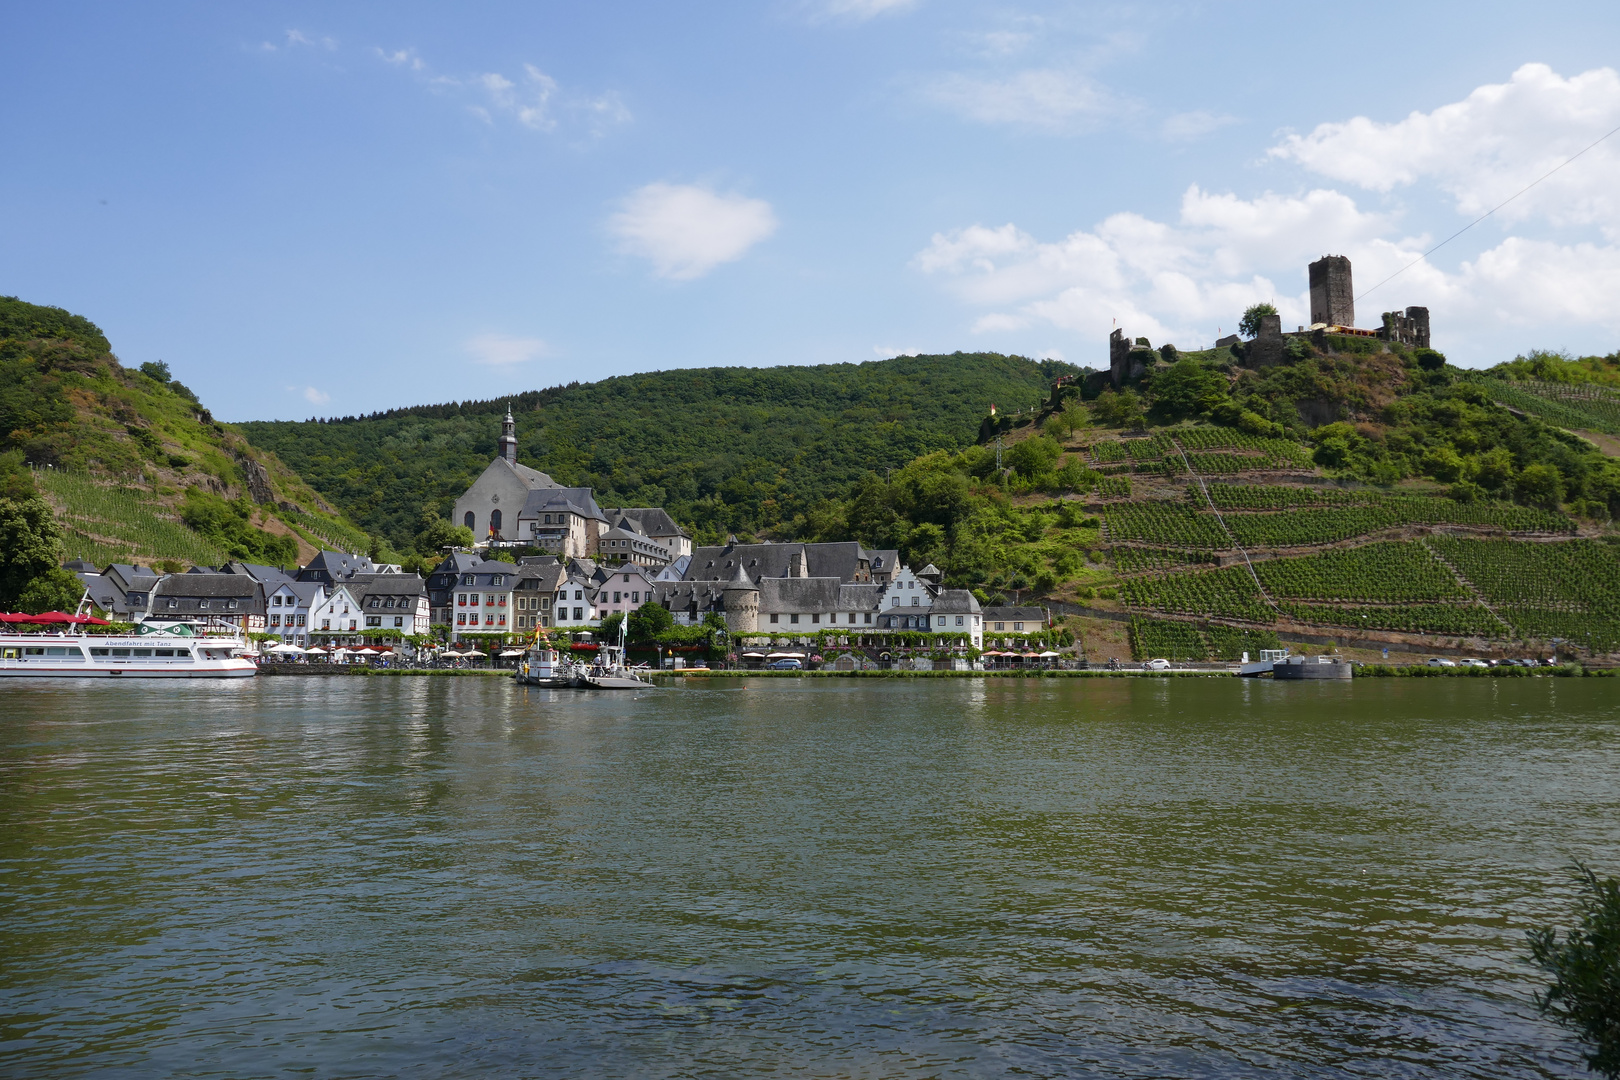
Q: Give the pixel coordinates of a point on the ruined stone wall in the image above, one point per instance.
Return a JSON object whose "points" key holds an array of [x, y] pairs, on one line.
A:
{"points": [[1409, 328]]}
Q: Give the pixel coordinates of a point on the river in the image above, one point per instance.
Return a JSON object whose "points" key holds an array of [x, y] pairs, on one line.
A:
{"points": [[428, 877]]}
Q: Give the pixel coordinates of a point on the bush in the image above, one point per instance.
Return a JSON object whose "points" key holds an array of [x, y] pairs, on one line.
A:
{"points": [[1429, 360], [1585, 966]]}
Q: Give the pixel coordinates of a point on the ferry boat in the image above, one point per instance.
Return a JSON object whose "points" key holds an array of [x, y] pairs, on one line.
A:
{"points": [[157, 655]]}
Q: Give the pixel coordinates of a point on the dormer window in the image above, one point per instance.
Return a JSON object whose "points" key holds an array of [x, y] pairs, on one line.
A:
{"points": [[467, 579], [497, 579]]}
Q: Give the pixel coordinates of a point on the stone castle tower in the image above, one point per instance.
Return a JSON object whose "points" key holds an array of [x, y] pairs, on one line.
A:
{"points": [[1333, 300], [741, 598], [508, 440]]}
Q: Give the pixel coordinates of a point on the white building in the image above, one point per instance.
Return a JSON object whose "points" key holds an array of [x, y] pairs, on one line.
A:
{"points": [[288, 610]]}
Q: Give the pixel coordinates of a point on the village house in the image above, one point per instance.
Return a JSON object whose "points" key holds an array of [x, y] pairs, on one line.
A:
{"points": [[622, 589], [288, 609], [656, 526], [334, 617], [397, 602], [1020, 620], [208, 596]]}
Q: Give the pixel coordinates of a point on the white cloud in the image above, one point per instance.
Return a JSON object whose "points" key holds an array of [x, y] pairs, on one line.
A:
{"points": [[686, 230], [861, 10], [1483, 149], [499, 350], [889, 352], [316, 397], [298, 37], [1042, 99], [1186, 280], [533, 99], [1194, 125]]}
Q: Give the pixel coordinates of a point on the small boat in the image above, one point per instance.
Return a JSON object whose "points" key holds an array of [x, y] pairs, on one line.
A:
{"points": [[609, 672]]}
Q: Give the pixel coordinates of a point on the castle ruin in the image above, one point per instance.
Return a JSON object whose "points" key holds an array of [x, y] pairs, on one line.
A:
{"points": [[1333, 311]]}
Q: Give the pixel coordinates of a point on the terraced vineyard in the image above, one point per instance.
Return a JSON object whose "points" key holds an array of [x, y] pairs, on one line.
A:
{"points": [[1385, 572], [1305, 525], [106, 523], [1225, 593], [1133, 560], [1173, 640], [1568, 405], [1569, 589], [1452, 620]]}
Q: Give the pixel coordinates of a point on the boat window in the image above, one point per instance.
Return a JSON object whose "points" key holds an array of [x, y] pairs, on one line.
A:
{"points": [[33, 652], [120, 652], [162, 652], [100, 652], [140, 652], [63, 651]]}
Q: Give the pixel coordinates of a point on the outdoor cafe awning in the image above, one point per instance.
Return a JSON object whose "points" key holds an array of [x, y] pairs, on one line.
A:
{"points": [[784, 656]]}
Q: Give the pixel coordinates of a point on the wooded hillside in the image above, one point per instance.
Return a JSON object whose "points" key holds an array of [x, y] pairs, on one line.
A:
{"points": [[723, 449]]}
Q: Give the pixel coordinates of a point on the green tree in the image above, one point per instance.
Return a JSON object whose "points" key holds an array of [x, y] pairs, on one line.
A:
{"points": [[1585, 967], [1187, 388], [610, 626], [1122, 409], [1539, 485], [57, 589], [156, 369], [1429, 360], [30, 548], [648, 621], [1032, 457], [1249, 325], [437, 534]]}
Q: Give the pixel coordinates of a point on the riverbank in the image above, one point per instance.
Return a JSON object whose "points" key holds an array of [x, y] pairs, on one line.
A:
{"points": [[1366, 671]]}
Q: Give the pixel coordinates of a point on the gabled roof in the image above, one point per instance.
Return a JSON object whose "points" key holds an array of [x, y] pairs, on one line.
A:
{"points": [[231, 586], [335, 565], [579, 501], [307, 592], [267, 575], [1018, 614], [389, 584], [799, 594], [955, 602], [648, 520], [838, 560]]}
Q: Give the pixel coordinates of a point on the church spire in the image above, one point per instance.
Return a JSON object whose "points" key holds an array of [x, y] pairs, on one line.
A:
{"points": [[508, 441]]}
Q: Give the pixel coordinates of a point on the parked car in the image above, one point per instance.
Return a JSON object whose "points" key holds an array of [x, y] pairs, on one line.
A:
{"points": [[785, 665], [1440, 661], [1473, 662], [1156, 665]]}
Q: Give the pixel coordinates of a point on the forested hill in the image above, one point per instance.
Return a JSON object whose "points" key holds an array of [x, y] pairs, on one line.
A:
{"points": [[723, 449], [130, 465]]}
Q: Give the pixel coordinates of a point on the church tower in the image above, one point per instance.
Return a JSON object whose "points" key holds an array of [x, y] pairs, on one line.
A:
{"points": [[508, 441]]}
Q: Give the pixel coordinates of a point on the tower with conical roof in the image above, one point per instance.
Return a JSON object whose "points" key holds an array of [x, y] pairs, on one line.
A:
{"points": [[741, 598], [508, 442]]}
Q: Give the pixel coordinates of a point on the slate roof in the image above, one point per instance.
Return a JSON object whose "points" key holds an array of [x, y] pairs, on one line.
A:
{"points": [[955, 602], [839, 560], [548, 500], [1015, 614], [387, 585], [647, 520], [236, 586], [335, 566], [269, 576]]}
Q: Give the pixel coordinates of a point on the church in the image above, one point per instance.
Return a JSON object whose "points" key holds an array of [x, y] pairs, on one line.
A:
{"points": [[512, 505]]}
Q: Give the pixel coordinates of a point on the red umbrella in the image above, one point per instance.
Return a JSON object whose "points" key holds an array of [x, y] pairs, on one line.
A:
{"points": [[59, 617], [19, 618]]}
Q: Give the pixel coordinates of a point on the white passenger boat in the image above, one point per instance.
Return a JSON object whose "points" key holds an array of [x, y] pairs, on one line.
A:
{"points": [[125, 656]]}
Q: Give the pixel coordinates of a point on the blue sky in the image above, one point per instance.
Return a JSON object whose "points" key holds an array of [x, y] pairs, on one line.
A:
{"points": [[331, 209]]}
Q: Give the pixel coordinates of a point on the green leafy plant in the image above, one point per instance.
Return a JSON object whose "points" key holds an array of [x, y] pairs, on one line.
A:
{"points": [[1584, 963]]}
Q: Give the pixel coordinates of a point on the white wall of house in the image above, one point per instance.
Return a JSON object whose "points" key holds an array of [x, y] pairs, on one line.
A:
{"points": [[906, 591]]}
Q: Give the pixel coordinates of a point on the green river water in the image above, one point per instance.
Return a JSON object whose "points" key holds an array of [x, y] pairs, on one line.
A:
{"points": [[429, 877]]}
